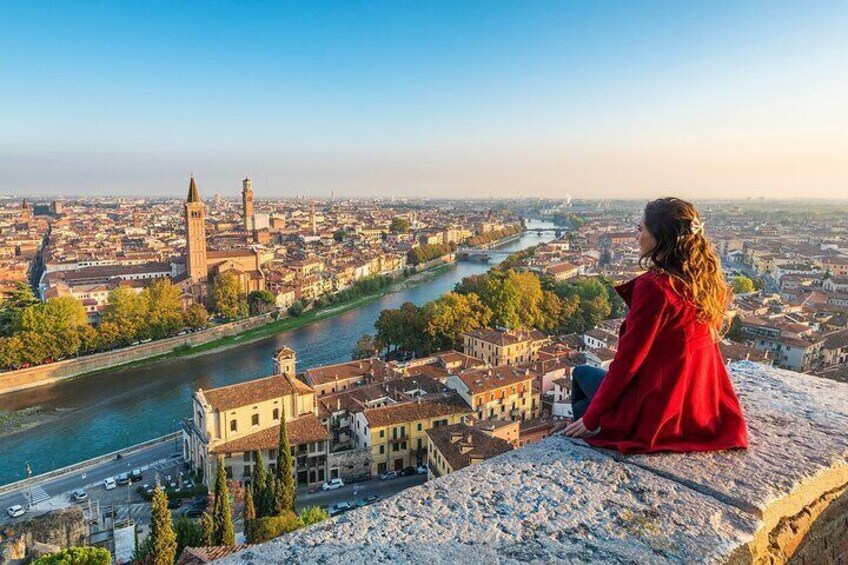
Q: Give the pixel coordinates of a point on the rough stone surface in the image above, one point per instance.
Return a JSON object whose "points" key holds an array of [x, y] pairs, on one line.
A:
{"points": [[561, 501]]}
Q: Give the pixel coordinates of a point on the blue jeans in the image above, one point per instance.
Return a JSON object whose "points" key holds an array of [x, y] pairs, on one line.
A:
{"points": [[585, 380]]}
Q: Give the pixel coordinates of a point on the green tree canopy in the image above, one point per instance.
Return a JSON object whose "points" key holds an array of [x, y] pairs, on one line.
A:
{"points": [[260, 301], [743, 285], [196, 316], [84, 555], [164, 308], [400, 225], [127, 310], [227, 296], [285, 493], [447, 318], [55, 315]]}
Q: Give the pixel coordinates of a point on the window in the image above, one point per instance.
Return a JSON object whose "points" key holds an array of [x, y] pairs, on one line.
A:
{"points": [[382, 449], [247, 455], [419, 427], [233, 426], [382, 433], [276, 413], [419, 443], [254, 420]]}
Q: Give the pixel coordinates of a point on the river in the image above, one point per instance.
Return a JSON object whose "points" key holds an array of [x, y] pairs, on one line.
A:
{"points": [[108, 411]]}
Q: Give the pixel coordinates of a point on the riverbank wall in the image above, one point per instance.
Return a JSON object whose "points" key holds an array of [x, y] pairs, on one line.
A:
{"points": [[37, 479], [22, 379]]}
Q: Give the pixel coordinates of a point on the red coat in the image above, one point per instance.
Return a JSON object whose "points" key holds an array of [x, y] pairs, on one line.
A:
{"points": [[667, 388]]}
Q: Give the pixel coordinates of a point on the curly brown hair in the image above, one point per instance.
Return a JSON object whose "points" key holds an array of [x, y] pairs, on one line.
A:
{"points": [[684, 252]]}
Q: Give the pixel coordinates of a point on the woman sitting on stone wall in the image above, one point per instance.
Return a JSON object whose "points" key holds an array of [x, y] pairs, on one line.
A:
{"points": [[667, 388]]}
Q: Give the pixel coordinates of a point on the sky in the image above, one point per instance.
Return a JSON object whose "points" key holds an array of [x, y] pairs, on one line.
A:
{"points": [[468, 99]]}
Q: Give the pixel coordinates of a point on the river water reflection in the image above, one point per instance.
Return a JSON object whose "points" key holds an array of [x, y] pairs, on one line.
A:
{"points": [[108, 411]]}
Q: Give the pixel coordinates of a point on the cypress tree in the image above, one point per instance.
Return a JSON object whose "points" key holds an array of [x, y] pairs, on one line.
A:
{"points": [[249, 513], [163, 548], [207, 524], [224, 533], [285, 472], [259, 481]]}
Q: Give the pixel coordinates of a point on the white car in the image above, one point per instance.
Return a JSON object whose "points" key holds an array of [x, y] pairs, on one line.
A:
{"points": [[421, 470], [389, 475], [332, 484], [110, 483], [339, 508], [16, 511], [79, 495]]}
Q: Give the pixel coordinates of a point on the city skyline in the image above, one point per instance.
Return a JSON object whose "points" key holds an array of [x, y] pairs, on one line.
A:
{"points": [[475, 100]]}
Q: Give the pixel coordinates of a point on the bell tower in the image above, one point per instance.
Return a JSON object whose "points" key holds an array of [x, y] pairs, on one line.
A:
{"points": [[195, 220], [285, 361], [247, 203]]}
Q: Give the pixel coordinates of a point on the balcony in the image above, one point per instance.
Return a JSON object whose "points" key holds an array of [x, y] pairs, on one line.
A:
{"points": [[560, 500]]}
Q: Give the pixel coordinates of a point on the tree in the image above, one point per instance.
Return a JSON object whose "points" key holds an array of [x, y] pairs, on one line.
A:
{"points": [[503, 298], [196, 317], [163, 548], [260, 301], [164, 308], [339, 235], [189, 534], [109, 334], [285, 488], [222, 517], [296, 309], [127, 310], [447, 318], [742, 285], [11, 352], [85, 555], [57, 314], [550, 312], [227, 296], [249, 513], [16, 301], [366, 346], [207, 527], [271, 527], [260, 487], [735, 332], [399, 225], [312, 515]]}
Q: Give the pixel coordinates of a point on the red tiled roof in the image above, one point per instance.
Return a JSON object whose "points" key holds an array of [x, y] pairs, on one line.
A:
{"points": [[251, 392]]}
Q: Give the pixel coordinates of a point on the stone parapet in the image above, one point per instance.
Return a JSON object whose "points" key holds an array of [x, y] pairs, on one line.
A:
{"points": [[784, 499]]}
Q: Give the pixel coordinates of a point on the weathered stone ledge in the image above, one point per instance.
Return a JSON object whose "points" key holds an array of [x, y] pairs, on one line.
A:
{"points": [[561, 501]]}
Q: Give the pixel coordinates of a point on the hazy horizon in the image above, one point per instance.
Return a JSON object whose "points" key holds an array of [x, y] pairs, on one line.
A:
{"points": [[430, 100]]}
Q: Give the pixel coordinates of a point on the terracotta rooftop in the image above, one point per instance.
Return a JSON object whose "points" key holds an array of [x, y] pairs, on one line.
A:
{"points": [[461, 444], [423, 409], [372, 368], [250, 392], [502, 338], [206, 554], [484, 380], [306, 429]]}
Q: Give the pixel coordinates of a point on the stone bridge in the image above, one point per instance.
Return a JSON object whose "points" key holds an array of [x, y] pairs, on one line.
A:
{"points": [[785, 499]]}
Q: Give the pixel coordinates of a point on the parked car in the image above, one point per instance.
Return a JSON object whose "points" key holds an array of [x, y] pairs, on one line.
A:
{"points": [[79, 495], [175, 502], [407, 472], [368, 501], [135, 476], [421, 470], [340, 508], [110, 483], [389, 475], [332, 484], [123, 479], [16, 511]]}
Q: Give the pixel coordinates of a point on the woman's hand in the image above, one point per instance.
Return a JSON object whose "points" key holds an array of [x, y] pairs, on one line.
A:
{"points": [[578, 430]]}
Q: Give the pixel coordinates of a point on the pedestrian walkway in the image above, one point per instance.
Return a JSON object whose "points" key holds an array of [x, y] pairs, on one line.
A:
{"points": [[35, 495]]}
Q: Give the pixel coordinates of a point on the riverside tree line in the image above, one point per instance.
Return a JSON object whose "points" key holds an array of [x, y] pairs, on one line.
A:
{"points": [[502, 297], [33, 332]]}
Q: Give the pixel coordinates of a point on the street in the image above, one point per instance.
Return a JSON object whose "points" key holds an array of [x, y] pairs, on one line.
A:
{"points": [[54, 492]]}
